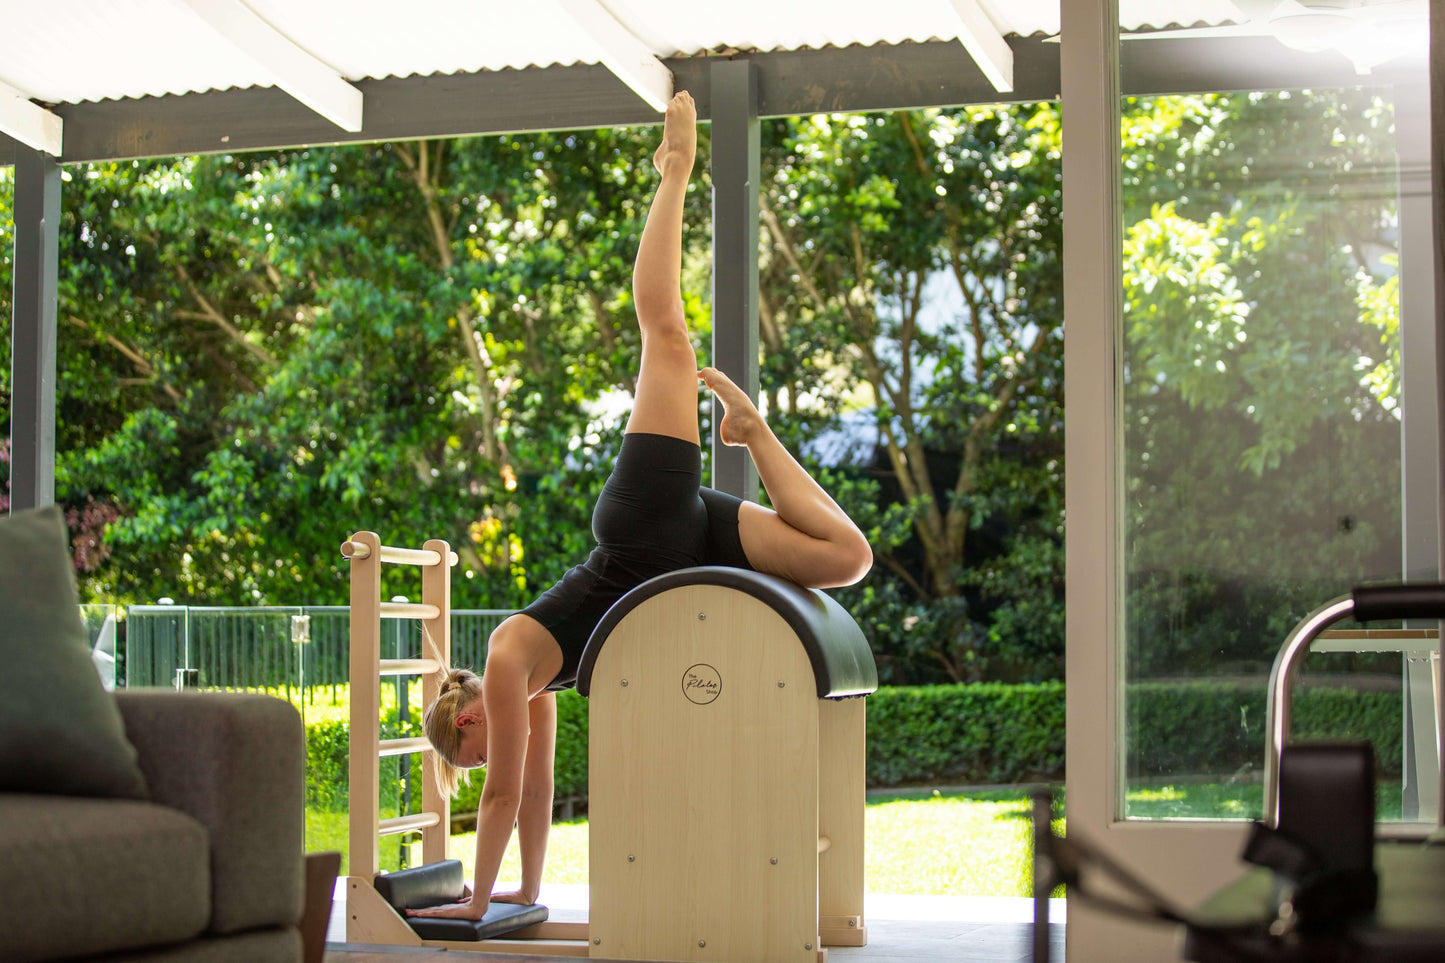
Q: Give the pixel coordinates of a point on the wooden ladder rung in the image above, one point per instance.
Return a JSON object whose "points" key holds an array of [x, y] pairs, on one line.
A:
{"points": [[408, 666], [396, 556], [409, 610], [403, 747], [407, 824]]}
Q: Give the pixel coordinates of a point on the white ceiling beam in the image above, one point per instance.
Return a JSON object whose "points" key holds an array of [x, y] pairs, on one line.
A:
{"points": [[629, 59], [291, 68], [29, 123], [984, 43]]}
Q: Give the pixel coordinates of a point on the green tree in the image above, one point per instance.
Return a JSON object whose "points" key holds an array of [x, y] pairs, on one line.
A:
{"points": [[1261, 314], [404, 337], [866, 219]]}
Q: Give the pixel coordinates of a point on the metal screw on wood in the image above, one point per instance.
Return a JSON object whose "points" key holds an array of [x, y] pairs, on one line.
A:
{"points": [[624, 683], [631, 858], [702, 616], [807, 946], [852, 922], [781, 684], [774, 860], [701, 943], [596, 941]]}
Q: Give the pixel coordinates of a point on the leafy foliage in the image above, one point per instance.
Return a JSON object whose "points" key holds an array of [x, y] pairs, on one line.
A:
{"points": [[260, 354]]}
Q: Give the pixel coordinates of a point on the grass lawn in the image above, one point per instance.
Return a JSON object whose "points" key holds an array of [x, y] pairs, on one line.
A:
{"points": [[975, 844]]}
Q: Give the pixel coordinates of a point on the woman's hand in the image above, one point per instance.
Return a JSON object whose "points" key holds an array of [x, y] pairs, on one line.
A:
{"points": [[515, 896], [468, 908]]}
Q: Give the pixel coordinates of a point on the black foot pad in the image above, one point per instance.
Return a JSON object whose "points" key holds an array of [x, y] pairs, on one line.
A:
{"points": [[438, 883]]}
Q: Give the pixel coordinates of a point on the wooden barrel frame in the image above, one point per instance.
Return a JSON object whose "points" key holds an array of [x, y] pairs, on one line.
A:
{"points": [[726, 770]]}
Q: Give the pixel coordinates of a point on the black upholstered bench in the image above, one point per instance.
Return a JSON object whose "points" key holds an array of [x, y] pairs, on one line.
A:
{"points": [[439, 883]]}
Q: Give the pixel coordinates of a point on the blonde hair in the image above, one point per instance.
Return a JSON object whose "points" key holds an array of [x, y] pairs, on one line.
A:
{"points": [[458, 688]]}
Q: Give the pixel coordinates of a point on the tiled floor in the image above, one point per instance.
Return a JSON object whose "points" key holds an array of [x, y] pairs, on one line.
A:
{"points": [[901, 929]]}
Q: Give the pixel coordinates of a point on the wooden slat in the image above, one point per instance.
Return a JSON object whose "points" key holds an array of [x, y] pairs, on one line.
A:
{"points": [[398, 556], [408, 610], [403, 747], [842, 733], [406, 824], [365, 719], [406, 667], [436, 591]]}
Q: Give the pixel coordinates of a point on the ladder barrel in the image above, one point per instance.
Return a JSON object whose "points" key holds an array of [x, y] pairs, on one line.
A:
{"points": [[366, 555], [726, 731], [376, 902]]}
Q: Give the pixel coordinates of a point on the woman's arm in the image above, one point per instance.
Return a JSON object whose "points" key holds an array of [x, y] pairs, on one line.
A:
{"points": [[504, 691], [534, 818], [504, 687]]}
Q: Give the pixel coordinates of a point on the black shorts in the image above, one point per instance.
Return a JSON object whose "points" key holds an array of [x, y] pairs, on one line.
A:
{"points": [[653, 517]]}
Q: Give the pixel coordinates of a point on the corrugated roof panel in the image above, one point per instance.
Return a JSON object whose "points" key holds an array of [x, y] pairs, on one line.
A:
{"points": [[1160, 14], [96, 49], [122, 48], [778, 25], [388, 38]]}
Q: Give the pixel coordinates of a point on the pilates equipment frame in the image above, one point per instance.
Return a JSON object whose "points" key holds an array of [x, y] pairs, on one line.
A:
{"points": [[369, 917], [822, 886]]}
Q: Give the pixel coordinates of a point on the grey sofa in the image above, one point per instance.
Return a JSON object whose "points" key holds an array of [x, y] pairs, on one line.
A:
{"points": [[209, 868]]}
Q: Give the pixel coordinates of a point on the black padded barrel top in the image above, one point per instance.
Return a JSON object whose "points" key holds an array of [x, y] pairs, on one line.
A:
{"points": [[842, 662]]}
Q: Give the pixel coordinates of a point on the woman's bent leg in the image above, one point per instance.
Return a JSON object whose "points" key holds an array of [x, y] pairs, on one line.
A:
{"points": [[666, 400], [808, 538]]}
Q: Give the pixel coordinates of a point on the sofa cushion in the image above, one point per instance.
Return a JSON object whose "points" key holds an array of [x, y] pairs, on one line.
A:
{"points": [[60, 731], [83, 876]]}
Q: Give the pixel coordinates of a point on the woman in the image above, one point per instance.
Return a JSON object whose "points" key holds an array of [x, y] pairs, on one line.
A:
{"points": [[651, 518]]}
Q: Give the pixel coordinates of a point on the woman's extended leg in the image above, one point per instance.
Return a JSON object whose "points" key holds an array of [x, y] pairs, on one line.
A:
{"points": [[666, 401], [807, 538]]}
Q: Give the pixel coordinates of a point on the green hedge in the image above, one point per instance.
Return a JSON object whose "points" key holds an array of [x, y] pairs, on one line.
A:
{"points": [[981, 733], [988, 733], [1219, 727], [327, 752]]}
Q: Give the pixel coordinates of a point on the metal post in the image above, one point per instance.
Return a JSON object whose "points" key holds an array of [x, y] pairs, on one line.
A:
{"points": [[1437, 180], [32, 332], [735, 159], [1419, 429]]}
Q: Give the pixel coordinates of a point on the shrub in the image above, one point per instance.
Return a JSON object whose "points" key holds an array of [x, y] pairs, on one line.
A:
{"points": [[978, 733], [328, 750], [1197, 727]]}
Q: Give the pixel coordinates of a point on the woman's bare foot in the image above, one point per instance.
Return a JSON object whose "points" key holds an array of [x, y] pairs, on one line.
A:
{"points": [[679, 136], [741, 421]]}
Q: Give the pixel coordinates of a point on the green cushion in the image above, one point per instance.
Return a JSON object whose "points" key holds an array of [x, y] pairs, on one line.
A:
{"points": [[60, 731]]}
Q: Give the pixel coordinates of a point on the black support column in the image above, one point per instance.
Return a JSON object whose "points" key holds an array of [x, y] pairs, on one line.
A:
{"points": [[735, 156], [32, 330]]}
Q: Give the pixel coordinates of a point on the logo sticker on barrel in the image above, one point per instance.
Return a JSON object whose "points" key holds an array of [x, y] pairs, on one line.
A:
{"points": [[701, 684]]}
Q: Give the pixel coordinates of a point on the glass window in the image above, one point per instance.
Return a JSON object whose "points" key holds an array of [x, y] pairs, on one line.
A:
{"points": [[1262, 429]]}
